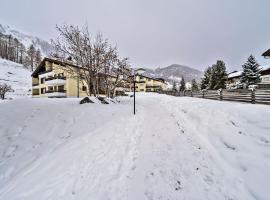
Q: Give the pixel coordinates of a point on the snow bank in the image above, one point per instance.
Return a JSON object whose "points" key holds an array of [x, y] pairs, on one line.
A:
{"points": [[17, 76], [174, 148]]}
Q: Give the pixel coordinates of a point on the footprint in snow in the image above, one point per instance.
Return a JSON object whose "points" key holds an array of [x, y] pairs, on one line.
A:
{"points": [[233, 123], [184, 111], [229, 146], [178, 185], [264, 140], [10, 152]]}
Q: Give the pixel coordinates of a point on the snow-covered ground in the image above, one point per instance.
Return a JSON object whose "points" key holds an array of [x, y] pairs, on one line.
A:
{"points": [[17, 76], [174, 148]]}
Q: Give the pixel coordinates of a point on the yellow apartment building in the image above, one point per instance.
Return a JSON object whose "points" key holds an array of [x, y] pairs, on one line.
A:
{"points": [[50, 79], [148, 84]]}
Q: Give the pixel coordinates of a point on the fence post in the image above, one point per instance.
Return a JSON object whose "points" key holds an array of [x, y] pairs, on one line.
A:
{"points": [[253, 96], [220, 94], [203, 94]]}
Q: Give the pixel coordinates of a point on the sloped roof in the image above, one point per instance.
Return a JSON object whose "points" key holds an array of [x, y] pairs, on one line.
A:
{"points": [[265, 67], [56, 61], [267, 53]]}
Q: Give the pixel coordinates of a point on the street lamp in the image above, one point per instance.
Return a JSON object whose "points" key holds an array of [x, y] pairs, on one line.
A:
{"points": [[134, 91], [139, 71]]}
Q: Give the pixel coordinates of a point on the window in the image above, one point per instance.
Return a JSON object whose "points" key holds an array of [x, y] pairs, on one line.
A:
{"points": [[42, 80], [266, 78], [84, 88], [43, 90]]}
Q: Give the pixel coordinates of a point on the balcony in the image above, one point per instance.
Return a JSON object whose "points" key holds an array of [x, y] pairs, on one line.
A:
{"points": [[35, 85], [45, 72], [55, 93], [56, 80], [153, 86]]}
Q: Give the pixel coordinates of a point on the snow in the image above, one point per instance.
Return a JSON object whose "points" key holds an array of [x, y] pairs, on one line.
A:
{"points": [[56, 82], [173, 148], [235, 74], [265, 67], [17, 76], [27, 39], [239, 73]]}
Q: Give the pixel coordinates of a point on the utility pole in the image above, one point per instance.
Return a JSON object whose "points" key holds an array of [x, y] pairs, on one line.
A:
{"points": [[134, 91]]}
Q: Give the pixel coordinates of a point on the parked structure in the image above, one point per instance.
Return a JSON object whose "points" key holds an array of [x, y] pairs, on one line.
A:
{"points": [[148, 84], [50, 79]]}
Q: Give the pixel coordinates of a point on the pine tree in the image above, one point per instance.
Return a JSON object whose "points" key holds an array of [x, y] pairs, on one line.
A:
{"points": [[182, 84], [251, 72], [174, 86], [206, 78], [215, 77], [218, 76], [194, 85]]}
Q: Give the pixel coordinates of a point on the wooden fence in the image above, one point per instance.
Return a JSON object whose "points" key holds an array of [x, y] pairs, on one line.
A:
{"points": [[247, 96]]}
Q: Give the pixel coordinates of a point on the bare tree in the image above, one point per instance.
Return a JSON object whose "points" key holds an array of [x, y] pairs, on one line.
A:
{"points": [[31, 56], [38, 57], [4, 88], [96, 58]]}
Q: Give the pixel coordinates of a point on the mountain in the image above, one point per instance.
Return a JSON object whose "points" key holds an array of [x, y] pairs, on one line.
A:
{"points": [[174, 72], [17, 76], [27, 39]]}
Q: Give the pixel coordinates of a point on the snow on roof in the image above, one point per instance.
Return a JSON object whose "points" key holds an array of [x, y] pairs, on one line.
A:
{"points": [[235, 74], [265, 67], [238, 73]]}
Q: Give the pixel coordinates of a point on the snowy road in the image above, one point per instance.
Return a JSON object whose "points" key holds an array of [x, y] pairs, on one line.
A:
{"points": [[174, 148]]}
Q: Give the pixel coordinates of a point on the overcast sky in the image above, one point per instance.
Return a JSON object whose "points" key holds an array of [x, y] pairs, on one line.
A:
{"points": [[156, 33]]}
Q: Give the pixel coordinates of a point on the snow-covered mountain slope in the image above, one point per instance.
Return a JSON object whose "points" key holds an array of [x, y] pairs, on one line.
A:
{"points": [[173, 148], [17, 76], [175, 73], [27, 39]]}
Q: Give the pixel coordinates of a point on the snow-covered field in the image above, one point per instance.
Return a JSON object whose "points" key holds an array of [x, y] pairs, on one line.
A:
{"points": [[17, 76], [174, 148]]}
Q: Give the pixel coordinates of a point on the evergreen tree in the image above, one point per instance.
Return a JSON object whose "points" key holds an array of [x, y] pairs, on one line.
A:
{"points": [[251, 71], [218, 76], [215, 77], [206, 78], [182, 84], [174, 86], [194, 85]]}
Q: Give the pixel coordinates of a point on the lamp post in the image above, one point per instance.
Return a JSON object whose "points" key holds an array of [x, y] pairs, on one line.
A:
{"points": [[138, 72], [134, 92]]}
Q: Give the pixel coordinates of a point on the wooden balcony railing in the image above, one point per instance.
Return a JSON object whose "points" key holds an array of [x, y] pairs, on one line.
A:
{"points": [[53, 91], [55, 77]]}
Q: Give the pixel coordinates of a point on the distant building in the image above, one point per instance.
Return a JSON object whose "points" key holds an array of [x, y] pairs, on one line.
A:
{"points": [[149, 84], [265, 75], [266, 54], [233, 79]]}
